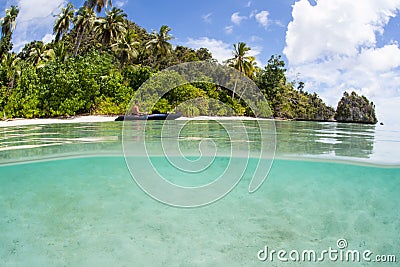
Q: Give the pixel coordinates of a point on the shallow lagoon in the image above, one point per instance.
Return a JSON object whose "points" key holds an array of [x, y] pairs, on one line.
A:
{"points": [[67, 198]]}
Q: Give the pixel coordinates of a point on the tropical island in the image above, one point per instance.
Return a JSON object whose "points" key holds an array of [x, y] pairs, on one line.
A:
{"points": [[96, 63]]}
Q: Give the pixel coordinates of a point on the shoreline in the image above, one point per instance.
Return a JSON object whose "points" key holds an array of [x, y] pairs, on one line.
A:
{"points": [[77, 119], [108, 118], [102, 118]]}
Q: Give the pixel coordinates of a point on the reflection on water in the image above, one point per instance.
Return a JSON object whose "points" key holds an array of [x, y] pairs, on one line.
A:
{"points": [[350, 142], [23, 143], [315, 138], [371, 144], [193, 138]]}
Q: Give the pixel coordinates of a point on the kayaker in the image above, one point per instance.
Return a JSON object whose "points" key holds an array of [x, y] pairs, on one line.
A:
{"points": [[135, 109]]}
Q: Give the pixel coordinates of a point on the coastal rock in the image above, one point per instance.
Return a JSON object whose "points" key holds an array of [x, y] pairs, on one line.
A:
{"points": [[355, 108]]}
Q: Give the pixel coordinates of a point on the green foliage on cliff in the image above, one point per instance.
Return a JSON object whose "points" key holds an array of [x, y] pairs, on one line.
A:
{"points": [[284, 99], [355, 108]]}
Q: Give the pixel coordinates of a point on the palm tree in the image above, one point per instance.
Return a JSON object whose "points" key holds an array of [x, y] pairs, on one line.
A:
{"points": [[125, 47], [240, 60], [159, 43], [63, 21], [99, 4], [10, 60], [36, 53], [254, 69], [60, 51], [111, 27], [84, 19], [8, 24], [9, 63]]}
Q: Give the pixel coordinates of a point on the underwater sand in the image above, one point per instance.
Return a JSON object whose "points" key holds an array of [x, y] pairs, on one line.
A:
{"points": [[75, 203]]}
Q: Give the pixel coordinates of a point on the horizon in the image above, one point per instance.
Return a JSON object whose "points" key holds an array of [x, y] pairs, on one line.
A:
{"points": [[332, 46]]}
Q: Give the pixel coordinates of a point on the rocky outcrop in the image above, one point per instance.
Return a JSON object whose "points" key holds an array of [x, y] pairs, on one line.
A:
{"points": [[355, 108]]}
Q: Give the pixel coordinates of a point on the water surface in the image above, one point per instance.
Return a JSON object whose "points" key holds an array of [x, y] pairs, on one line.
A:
{"points": [[68, 199]]}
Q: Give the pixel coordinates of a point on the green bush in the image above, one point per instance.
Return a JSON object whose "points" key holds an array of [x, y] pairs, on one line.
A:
{"points": [[162, 106], [107, 106]]}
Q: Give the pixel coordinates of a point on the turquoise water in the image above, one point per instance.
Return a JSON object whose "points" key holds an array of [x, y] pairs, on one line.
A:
{"points": [[67, 199]]}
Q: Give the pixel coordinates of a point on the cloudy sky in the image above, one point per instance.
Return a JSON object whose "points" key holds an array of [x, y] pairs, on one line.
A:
{"points": [[332, 45]]}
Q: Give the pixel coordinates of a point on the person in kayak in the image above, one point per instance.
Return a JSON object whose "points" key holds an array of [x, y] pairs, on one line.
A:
{"points": [[135, 109]]}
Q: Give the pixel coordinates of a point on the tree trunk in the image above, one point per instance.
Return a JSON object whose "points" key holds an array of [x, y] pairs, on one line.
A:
{"points": [[79, 40]]}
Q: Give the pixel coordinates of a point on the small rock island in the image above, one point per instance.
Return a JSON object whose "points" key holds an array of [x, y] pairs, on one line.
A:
{"points": [[355, 108]]}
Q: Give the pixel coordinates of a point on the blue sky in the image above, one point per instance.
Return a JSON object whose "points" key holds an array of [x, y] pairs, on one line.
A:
{"points": [[210, 21], [331, 45]]}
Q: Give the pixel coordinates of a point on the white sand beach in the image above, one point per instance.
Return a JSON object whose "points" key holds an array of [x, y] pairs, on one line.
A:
{"points": [[99, 118], [77, 119]]}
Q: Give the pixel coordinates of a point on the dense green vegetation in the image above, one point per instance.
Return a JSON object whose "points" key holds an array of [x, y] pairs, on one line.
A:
{"points": [[355, 108], [96, 63]]}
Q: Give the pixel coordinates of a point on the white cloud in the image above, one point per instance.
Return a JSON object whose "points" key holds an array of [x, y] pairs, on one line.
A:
{"points": [[228, 29], [248, 4], [380, 59], [255, 51], [387, 110], [207, 18], [48, 38], [120, 3], [262, 18], [335, 27], [35, 20], [220, 50], [279, 23], [237, 19], [333, 45]]}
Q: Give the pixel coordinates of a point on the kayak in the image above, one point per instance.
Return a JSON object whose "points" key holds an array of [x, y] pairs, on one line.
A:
{"points": [[162, 116]]}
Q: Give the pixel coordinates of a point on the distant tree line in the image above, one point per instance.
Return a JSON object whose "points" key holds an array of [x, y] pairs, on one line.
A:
{"points": [[96, 63]]}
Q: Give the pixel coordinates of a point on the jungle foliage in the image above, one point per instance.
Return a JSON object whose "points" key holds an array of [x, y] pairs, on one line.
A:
{"points": [[95, 64]]}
